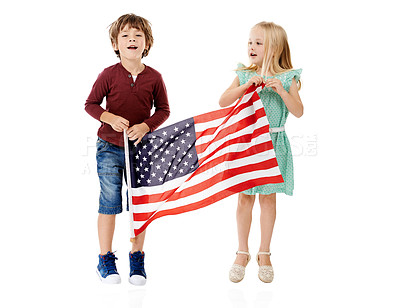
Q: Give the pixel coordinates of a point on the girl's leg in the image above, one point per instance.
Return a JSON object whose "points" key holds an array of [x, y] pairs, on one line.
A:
{"points": [[243, 219], [105, 227], [138, 242], [267, 221]]}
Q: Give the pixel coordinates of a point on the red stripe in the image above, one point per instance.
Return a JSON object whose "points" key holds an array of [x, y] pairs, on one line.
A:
{"points": [[211, 130], [143, 199], [143, 216], [213, 115], [212, 199], [227, 157], [231, 156], [235, 127], [242, 139]]}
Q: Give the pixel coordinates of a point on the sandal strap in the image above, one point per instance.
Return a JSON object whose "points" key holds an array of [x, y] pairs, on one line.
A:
{"points": [[244, 253], [264, 253]]}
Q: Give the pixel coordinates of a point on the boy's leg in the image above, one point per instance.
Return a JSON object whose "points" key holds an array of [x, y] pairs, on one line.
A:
{"points": [[106, 269], [110, 166], [137, 275], [106, 226]]}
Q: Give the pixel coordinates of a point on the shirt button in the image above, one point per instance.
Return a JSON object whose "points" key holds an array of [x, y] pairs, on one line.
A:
{"points": [[131, 84], [129, 75]]}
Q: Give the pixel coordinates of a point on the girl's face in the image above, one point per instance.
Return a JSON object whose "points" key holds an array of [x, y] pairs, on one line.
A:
{"points": [[255, 49], [131, 43]]}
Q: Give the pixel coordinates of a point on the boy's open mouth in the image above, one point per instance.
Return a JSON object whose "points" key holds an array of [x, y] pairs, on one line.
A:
{"points": [[132, 47]]}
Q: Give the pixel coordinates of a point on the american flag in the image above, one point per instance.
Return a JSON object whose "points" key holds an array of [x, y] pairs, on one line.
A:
{"points": [[200, 160]]}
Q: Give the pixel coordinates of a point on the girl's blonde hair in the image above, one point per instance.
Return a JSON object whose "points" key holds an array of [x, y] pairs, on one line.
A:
{"points": [[276, 50]]}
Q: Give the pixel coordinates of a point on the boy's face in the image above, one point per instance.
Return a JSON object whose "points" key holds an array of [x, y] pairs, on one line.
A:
{"points": [[131, 43]]}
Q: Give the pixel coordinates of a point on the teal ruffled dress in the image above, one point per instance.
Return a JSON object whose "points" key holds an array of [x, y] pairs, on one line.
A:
{"points": [[277, 114]]}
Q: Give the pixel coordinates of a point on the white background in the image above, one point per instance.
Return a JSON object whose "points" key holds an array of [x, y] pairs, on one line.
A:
{"points": [[336, 241]]}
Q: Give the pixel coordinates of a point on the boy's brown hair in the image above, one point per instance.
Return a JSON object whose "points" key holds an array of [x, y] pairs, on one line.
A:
{"points": [[133, 21]]}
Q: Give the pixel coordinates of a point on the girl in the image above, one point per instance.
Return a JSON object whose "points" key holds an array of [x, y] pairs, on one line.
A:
{"points": [[270, 63]]}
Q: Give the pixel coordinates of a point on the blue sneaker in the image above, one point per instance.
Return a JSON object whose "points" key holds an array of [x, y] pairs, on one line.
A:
{"points": [[107, 270], [137, 276]]}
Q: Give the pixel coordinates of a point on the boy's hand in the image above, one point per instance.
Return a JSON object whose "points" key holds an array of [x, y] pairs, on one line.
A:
{"points": [[137, 132], [117, 123]]}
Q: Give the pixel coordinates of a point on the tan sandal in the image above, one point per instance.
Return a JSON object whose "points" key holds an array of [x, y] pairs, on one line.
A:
{"points": [[237, 271], [265, 272]]}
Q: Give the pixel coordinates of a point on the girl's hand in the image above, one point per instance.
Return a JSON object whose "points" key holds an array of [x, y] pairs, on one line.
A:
{"points": [[137, 132], [275, 84], [256, 80]]}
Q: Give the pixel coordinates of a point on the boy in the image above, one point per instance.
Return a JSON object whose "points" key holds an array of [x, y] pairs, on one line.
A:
{"points": [[131, 89]]}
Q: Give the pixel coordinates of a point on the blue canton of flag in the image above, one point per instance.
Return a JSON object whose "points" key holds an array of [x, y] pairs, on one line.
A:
{"points": [[164, 155]]}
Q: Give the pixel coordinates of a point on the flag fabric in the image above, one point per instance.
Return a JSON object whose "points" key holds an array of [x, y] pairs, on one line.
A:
{"points": [[199, 161]]}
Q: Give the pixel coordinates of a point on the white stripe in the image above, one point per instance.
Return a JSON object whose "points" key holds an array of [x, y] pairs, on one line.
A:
{"points": [[233, 119], [246, 130], [239, 148], [159, 189], [248, 96], [236, 147], [148, 207], [215, 123], [209, 124], [136, 225], [244, 113]]}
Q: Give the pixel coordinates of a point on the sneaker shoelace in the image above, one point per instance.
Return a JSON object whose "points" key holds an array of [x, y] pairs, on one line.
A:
{"points": [[109, 263], [137, 263]]}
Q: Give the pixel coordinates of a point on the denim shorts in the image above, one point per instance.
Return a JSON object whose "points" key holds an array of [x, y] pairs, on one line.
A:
{"points": [[111, 170]]}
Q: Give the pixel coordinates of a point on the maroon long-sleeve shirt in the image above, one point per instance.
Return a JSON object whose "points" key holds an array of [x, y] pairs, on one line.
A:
{"points": [[132, 100]]}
